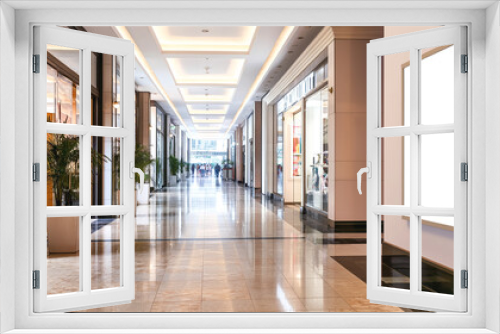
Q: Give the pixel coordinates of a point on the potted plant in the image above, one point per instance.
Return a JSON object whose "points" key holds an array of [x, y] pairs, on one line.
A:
{"points": [[63, 170], [142, 161], [174, 169], [63, 157], [183, 166], [227, 169]]}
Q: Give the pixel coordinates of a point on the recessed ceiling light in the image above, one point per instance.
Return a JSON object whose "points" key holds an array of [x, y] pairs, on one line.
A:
{"points": [[300, 37], [205, 30], [290, 51]]}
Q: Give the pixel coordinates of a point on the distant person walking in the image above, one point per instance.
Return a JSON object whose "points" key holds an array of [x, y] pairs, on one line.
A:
{"points": [[217, 170], [202, 170], [192, 169]]}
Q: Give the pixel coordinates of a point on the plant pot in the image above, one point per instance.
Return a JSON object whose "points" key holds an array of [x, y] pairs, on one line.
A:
{"points": [[63, 234], [142, 198]]}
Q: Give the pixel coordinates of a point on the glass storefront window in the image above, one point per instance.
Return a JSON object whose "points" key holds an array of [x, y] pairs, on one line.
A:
{"points": [[279, 154], [63, 97], [160, 156], [63, 92], [316, 157], [297, 144]]}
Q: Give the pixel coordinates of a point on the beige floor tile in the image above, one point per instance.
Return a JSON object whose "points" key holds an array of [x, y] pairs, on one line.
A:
{"points": [[227, 306], [176, 306], [225, 290], [326, 305], [278, 305], [313, 288]]}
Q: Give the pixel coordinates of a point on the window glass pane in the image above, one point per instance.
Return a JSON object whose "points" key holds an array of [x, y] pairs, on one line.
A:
{"points": [[63, 80], [437, 170], [317, 151], [106, 252], [395, 99], [63, 170], [106, 163], [395, 171], [106, 88], [437, 82], [437, 254], [63, 255], [395, 251]]}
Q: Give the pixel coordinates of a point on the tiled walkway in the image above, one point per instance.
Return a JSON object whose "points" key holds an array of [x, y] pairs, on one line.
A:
{"points": [[210, 246]]}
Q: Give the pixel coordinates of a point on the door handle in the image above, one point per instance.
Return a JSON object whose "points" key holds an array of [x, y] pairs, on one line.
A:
{"points": [[134, 170], [368, 171]]}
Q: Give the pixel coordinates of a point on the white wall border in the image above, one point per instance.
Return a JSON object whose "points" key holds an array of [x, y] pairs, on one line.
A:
{"points": [[7, 167], [280, 322]]}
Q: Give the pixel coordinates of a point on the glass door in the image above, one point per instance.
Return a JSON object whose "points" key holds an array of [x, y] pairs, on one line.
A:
{"points": [[416, 191], [83, 171]]}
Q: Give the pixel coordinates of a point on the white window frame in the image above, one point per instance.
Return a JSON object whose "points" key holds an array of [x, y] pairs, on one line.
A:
{"points": [[86, 297], [475, 320], [415, 43]]}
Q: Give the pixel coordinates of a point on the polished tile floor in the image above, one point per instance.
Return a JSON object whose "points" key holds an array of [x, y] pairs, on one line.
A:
{"points": [[211, 246]]}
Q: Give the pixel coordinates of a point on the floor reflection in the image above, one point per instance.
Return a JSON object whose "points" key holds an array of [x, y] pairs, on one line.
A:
{"points": [[212, 246]]}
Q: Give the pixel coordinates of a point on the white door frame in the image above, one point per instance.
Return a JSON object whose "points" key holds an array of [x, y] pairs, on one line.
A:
{"points": [[476, 318]]}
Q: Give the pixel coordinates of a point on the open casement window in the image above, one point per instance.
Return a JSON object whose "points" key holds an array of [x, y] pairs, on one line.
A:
{"points": [[83, 170], [416, 153]]}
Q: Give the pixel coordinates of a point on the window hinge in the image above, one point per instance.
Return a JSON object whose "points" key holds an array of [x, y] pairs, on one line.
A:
{"points": [[36, 63], [465, 279], [36, 279], [36, 172], [464, 171], [465, 64]]}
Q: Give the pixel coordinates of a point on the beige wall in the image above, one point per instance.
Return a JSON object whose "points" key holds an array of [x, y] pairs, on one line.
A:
{"points": [[143, 102], [350, 118]]}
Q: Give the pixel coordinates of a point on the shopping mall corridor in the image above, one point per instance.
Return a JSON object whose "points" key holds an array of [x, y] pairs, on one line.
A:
{"points": [[208, 245]]}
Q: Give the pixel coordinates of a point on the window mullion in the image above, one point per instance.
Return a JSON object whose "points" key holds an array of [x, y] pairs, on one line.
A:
{"points": [[414, 169], [86, 169]]}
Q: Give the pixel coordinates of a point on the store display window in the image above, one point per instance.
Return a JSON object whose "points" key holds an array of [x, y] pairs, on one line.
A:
{"points": [[316, 151]]}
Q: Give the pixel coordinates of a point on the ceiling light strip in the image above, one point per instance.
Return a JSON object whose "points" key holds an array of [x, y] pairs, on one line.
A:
{"points": [[124, 33], [282, 39]]}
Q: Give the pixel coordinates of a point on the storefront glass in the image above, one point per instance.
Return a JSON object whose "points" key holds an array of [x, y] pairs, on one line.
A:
{"points": [[63, 97], [297, 150], [279, 154], [317, 151], [160, 155]]}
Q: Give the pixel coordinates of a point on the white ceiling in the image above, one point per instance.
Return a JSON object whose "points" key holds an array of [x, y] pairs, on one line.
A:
{"points": [[206, 70]]}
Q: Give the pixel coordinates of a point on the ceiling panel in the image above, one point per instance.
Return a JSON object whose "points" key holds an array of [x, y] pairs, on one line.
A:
{"points": [[206, 70], [207, 95], [204, 39]]}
